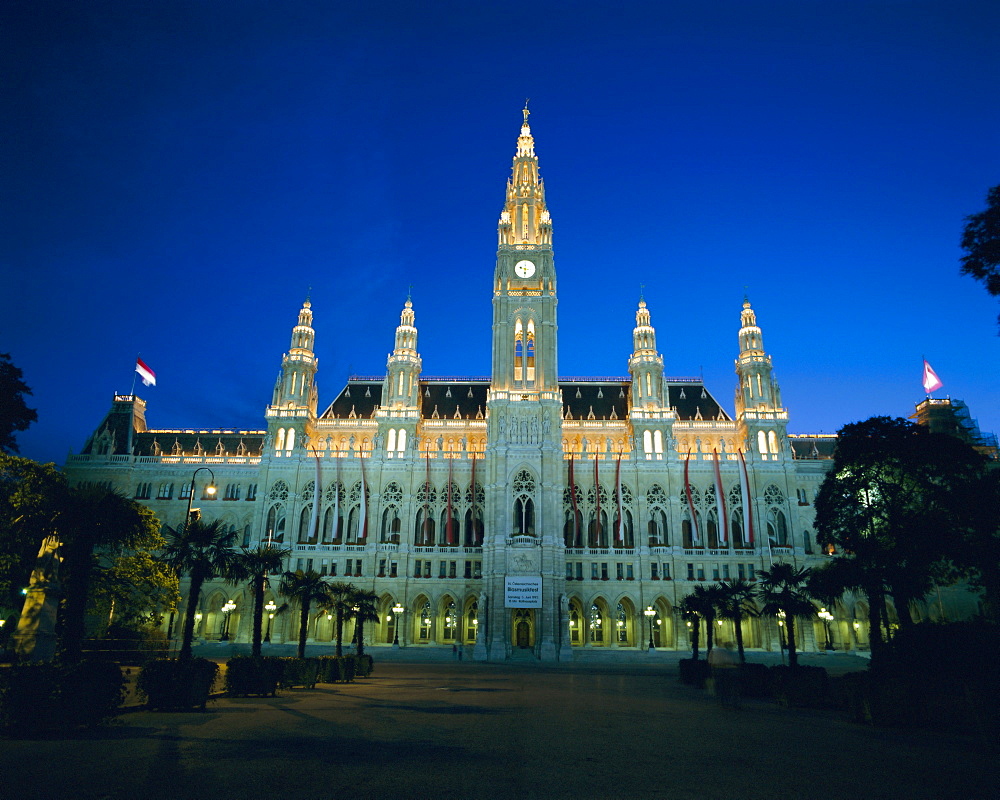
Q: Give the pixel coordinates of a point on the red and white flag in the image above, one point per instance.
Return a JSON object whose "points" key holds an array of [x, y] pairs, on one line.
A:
{"points": [[931, 380], [149, 377]]}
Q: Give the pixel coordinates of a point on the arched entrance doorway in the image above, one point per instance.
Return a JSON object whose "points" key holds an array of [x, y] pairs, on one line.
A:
{"points": [[523, 633]]}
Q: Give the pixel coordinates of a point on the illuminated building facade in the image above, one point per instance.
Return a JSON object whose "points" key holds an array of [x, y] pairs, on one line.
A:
{"points": [[521, 514]]}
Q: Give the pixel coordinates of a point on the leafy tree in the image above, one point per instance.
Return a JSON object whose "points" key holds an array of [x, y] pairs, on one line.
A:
{"points": [[782, 591], [981, 242], [980, 554], [364, 610], [32, 497], [894, 491], [306, 588], [736, 601], [203, 551], [340, 600], [14, 412], [258, 563], [94, 519], [131, 588]]}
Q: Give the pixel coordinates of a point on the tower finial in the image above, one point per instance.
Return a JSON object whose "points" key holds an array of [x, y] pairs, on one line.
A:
{"points": [[526, 112]]}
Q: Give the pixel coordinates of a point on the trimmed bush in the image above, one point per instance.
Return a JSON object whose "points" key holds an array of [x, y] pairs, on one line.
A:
{"points": [[299, 672], [39, 697], [246, 675], [364, 666], [800, 687], [694, 673], [128, 645], [168, 683], [343, 669]]}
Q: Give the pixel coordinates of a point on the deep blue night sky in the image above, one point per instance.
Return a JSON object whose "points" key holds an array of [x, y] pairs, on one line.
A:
{"points": [[176, 176]]}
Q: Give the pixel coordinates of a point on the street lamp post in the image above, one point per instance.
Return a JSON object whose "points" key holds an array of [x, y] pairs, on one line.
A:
{"points": [[209, 490], [827, 618], [650, 613], [270, 608], [227, 609], [396, 610]]}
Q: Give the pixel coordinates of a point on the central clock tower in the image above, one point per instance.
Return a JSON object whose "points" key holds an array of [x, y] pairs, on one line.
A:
{"points": [[526, 468]]}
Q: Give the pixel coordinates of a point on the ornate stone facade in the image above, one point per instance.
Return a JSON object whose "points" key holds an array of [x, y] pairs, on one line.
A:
{"points": [[613, 495]]}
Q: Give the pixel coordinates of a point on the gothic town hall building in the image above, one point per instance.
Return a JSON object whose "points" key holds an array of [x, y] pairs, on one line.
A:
{"points": [[520, 513]]}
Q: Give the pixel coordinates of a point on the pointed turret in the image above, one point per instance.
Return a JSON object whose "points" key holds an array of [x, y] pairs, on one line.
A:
{"points": [[401, 389], [525, 220], [293, 404], [645, 365], [758, 397]]}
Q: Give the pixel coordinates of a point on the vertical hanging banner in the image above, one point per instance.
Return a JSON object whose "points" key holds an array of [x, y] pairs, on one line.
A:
{"points": [[363, 522], [695, 533], [576, 514], [449, 527], [427, 508], [747, 504], [595, 536], [619, 532], [720, 502], [314, 518]]}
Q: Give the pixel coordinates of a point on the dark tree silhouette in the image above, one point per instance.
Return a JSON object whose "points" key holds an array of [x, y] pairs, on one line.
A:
{"points": [[14, 412], [981, 242]]}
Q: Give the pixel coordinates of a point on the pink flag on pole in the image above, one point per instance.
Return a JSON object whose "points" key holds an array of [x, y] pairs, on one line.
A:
{"points": [[149, 377], [931, 380]]}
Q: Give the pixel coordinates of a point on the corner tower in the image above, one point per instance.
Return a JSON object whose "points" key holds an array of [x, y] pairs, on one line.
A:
{"points": [[758, 397], [291, 415]]}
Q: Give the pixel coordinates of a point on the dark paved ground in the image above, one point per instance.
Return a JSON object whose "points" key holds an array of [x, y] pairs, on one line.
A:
{"points": [[446, 730]]}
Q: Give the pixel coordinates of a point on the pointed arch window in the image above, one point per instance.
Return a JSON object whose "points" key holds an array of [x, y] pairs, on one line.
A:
{"points": [[275, 527], [290, 440], [529, 355], [518, 352], [279, 444], [391, 441], [304, 522], [524, 504]]}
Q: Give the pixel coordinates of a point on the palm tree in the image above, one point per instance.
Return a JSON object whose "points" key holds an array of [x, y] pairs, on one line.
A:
{"points": [[736, 602], [258, 563], [364, 610], [340, 600], [709, 598], [307, 588], [782, 591], [693, 609], [203, 551]]}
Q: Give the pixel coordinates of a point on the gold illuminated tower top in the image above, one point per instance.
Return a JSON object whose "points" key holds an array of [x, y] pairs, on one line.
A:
{"points": [[525, 220]]}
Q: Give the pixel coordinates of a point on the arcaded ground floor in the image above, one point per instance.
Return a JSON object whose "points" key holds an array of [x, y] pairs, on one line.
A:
{"points": [[448, 730]]}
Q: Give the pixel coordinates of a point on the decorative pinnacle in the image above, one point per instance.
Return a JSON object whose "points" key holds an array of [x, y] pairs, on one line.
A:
{"points": [[526, 112]]}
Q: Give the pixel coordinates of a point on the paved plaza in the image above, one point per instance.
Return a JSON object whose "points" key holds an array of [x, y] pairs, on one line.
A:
{"points": [[447, 730]]}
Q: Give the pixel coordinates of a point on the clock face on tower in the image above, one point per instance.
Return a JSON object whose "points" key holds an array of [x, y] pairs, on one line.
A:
{"points": [[524, 269]]}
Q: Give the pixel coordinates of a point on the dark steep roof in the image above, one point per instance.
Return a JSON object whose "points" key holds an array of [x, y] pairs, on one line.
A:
{"points": [[604, 398], [146, 443]]}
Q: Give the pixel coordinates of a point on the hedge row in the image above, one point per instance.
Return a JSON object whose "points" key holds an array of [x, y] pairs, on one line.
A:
{"points": [[805, 687], [42, 697], [246, 675]]}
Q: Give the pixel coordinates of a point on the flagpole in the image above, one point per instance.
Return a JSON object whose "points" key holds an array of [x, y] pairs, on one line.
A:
{"points": [[134, 373]]}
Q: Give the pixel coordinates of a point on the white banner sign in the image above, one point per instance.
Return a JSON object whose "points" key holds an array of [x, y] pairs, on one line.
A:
{"points": [[523, 591]]}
